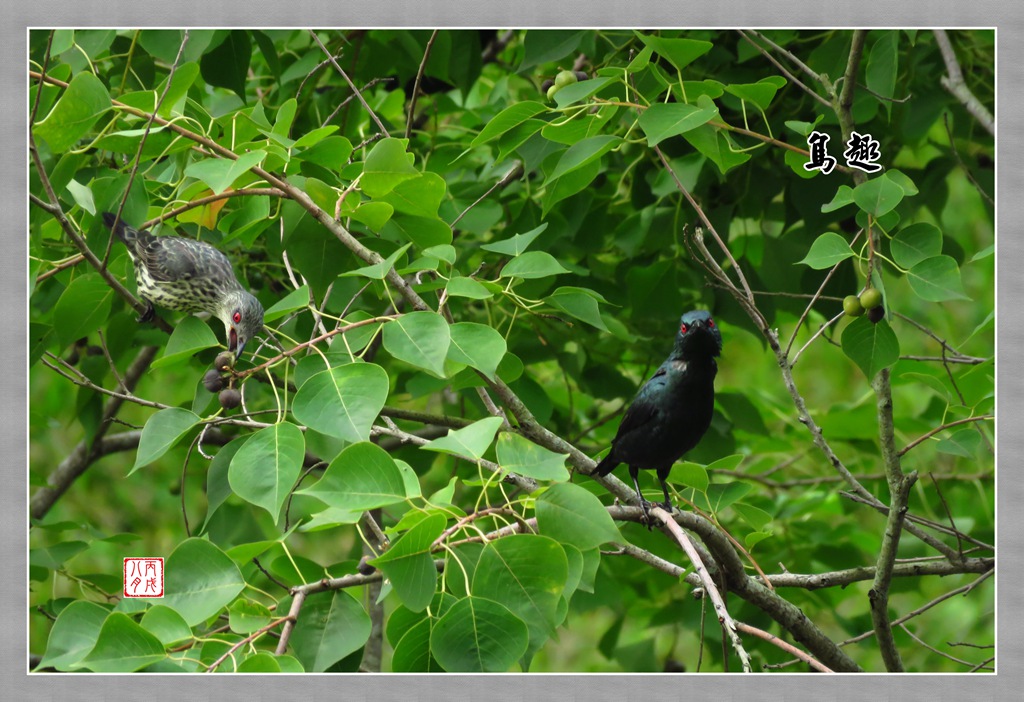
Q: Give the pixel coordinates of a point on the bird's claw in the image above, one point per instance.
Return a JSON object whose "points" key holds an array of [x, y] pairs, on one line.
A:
{"points": [[148, 315], [646, 507]]}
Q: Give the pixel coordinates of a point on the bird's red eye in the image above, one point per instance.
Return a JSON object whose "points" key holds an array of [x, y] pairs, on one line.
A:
{"points": [[711, 322], [683, 328], [237, 316]]}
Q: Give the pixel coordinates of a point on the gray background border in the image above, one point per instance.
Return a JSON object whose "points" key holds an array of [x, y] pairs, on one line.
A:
{"points": [[1008, 20]]}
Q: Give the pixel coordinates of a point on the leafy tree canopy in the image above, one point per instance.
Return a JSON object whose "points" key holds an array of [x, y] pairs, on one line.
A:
{"points": [[472, 248]]}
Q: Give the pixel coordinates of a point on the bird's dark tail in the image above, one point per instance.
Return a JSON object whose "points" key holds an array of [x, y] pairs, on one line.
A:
{"points": [[607, 464], [123, 231]]}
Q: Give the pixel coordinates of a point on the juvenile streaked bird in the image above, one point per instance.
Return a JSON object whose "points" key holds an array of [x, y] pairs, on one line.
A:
{"points": [[190, 276], [672, 410]]}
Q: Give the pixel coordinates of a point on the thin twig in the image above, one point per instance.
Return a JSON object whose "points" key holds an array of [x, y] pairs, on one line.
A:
{"points": [[785, 646], [416, 84], [724, 618], [927, 435], [782, 68], [359, 95], [953, 81]]}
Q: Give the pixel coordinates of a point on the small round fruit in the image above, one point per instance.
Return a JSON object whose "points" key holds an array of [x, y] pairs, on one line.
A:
{"points": [[230, 398], [224, 360], [565, 78], [876, 314], [551, 92], [212, 380], [580, 75], [852, 306], [365, 568], [870, 298], [546, 85]]}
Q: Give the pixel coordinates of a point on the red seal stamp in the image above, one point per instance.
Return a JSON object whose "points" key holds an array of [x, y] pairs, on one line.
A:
{"points": [[143, 577]]}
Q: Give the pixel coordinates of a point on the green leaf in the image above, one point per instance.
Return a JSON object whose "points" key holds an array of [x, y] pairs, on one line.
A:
{"points": [[871, 346], [826, 251], [545, 45], [82, 196], [386, 166], [373, 214], [581, 303], [527, 574], [582, 153], [166, 624], [903, 180], [82, 308], [201, 580], [295, 300], [343, 402], [754, 516], [573, 515], [472, 441], [420, 339], [519, 455], [82, 103], [964, 442], [227, 65], [679, 52], [329, 628], [460, 286], [517, 244], [478, 635], [73, 635], [262, 662], [760, 93], [190, 336], [123, 647], [409, 565], [533, 264], [663, 120], [843, 197], [883, 60], [690, 474], [507, 119], [163, 430], [477, 345], [361, 477], [219, 173], [582, 90], [331, 152], [915, 243], [878, 196], [379, 270], [716, 145], [419, 196], [937, 279], [265, 469]]}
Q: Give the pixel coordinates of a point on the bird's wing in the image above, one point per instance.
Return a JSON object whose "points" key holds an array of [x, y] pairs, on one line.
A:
{"points": [[172, 258], [642, 410]]}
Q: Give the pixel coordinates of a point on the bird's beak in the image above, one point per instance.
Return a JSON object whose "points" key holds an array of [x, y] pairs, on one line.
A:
{"points": [[236, 344]]}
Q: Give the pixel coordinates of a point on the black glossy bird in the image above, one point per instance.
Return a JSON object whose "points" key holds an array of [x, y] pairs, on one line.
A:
{"points": [[673, 409], [190, 276]]}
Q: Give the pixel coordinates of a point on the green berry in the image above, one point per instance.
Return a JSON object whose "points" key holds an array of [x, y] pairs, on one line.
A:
{"points": [[551, 92], [852, 306], [870, 298], [876, 314], [230, 398], [565, 78], [212, 380]]}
